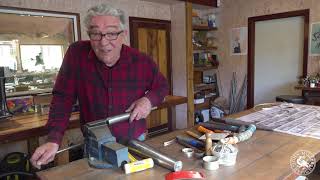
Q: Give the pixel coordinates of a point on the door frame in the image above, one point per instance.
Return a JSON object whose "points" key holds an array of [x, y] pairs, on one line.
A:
{"points": [[251, 45]]}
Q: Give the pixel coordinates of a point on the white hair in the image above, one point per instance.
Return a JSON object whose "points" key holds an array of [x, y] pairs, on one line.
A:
{"points": [[104, 10]]}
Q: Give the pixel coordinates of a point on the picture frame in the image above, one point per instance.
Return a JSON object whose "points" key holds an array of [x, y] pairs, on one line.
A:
{"points": [[239, 41], [315, 39]]}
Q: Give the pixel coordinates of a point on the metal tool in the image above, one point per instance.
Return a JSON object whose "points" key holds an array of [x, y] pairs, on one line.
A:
{"points": [[112, 120], [161, 159], [191, 141], [167, 143], [188, 152], [237, 122], [101, 147], [70, 147]]}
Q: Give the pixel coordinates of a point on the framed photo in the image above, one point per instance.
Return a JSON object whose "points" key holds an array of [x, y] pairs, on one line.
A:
{"points": [[239, 41], [315, 39]]}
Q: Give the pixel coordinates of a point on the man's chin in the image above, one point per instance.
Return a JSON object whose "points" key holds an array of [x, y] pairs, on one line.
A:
{"points": [[108, 61]]}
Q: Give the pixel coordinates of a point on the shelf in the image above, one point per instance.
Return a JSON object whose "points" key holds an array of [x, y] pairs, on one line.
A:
{"points": [[205, 105], [202, 86], [203, 28], [204, 68], [205, 49]]}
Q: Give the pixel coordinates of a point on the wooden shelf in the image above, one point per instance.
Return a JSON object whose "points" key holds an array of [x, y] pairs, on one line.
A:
{"points": [[205, 49], [205, 105], [204, 68], [203, 28], [201, 87]]}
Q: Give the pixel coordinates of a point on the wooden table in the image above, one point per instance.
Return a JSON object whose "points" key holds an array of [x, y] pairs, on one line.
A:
{"points": [[266, 155]]}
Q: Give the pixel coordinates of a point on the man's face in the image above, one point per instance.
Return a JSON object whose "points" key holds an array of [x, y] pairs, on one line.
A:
{"points": [[109, 47]]}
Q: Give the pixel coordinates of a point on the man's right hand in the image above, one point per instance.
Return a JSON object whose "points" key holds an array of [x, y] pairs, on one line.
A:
{"points": [[44, 154]]}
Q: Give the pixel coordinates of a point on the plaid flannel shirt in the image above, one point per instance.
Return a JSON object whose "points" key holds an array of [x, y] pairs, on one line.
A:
{"points": [[103, 91]]}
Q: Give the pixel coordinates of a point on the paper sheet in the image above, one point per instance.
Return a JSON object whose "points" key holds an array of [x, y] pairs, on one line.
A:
{"points": [[299, 120]]}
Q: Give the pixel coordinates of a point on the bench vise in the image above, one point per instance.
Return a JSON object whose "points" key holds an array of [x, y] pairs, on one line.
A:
{"points": [[101, 147]]}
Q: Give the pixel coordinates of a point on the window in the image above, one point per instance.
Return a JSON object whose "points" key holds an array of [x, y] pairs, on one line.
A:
{"points": [[41, 58]]}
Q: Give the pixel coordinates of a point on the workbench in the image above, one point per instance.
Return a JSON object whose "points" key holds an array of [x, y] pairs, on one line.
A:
{"points": [[266, 155], [31, 126]]}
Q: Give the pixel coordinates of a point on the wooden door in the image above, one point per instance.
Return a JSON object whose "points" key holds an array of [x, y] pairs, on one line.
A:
{"points": [[152, 37]]}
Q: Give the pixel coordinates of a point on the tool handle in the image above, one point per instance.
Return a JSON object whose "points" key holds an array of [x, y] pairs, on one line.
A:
{"points": [[190, 141], [192, 134], [204, 130]]}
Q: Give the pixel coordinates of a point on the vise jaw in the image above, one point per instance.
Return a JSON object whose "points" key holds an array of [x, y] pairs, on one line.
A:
{"points": [[102, 149]]}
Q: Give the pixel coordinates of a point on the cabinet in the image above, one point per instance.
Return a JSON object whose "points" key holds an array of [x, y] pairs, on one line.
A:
{"points": [[202, 63]]}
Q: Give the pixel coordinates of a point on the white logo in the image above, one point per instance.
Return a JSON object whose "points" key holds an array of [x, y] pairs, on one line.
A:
{"points": [[302, 162]]}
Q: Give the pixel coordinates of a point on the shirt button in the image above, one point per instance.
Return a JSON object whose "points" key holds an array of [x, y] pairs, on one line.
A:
{"points": [[110, 106], [109, 90]]}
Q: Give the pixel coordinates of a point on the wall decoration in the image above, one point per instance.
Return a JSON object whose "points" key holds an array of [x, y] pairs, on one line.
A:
{"points": [[239, 41], [315, 39]]}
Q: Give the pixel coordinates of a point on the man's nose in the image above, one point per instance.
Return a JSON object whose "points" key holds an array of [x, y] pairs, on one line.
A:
{"points": [[104, 41]]}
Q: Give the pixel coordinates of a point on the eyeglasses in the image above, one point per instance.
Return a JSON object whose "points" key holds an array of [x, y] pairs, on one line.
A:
{"points": [[109, 36]]}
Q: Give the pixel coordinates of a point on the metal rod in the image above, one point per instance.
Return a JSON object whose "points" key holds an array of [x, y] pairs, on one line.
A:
{"points": [[118, 118], [146, 151], [113, 119], [70, 147]]}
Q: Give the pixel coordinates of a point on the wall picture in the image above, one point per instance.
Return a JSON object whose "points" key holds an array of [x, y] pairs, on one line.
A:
{"points": [[315, 39], [239, 41]]}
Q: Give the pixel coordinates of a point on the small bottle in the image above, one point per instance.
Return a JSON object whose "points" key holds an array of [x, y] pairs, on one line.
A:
{"points": [[208, 144], [138, 166]]}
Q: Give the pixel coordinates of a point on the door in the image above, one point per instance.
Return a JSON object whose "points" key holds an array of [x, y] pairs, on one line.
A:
{"points": [[278, 55], [278, 58], [152, 37]]}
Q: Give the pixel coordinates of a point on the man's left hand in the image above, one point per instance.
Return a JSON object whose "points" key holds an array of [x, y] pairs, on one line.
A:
{"points": [[140, 109]]}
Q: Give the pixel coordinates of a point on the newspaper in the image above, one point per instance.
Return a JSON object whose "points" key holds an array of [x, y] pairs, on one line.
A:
{"points": [[299, 120]]}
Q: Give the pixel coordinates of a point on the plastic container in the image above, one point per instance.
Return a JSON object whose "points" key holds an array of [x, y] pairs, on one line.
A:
{"points": [[227, 154]]}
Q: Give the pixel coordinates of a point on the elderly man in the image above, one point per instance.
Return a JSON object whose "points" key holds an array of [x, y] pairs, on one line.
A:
{"points": [[107, 77]]}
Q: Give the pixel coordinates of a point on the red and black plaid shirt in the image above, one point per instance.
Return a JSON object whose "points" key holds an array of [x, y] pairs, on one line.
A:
{"points": [[103, 91]]}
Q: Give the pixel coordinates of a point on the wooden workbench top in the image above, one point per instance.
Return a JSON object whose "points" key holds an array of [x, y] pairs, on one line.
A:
{"points": [[27, 126], [265, 156], [33, 125]]}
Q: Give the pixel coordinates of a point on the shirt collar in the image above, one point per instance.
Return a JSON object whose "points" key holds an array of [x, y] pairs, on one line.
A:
{"points": [[125, 57]]}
